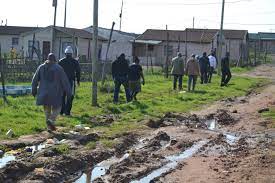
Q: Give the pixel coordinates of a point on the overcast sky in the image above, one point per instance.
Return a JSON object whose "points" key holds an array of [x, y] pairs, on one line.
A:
{"points": [[139, 15]]}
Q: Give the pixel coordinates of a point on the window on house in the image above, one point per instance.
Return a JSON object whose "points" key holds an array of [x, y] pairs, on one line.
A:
{"points": [[15, 41], [170, 50]]}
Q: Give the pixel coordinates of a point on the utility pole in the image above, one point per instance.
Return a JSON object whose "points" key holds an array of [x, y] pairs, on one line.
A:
{"points": [[55, 8], [54, 24], [167, 50], [186, 46], [193, 22], [3, 78], [94, 58], [106, 56], [120, 15], [65, 14], [220, 40]]}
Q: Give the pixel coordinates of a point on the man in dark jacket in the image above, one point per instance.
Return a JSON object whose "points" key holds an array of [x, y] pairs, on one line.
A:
{"points": [[226, 74], [135, 75], [72, 70], [120, 69], [204, 67]]}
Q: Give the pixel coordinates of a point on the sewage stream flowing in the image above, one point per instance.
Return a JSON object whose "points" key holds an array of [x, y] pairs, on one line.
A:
{"points": [[174, 160], [10, 156]]}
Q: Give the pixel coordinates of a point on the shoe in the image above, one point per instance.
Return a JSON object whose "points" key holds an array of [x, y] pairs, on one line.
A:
{"points": [[50, 125]]}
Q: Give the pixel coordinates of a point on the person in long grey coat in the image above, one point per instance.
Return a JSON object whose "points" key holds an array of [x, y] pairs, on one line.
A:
{"points": [[52, 82]]}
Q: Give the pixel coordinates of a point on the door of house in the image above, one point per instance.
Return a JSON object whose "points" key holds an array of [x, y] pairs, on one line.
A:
{"points": [[46, 49]]}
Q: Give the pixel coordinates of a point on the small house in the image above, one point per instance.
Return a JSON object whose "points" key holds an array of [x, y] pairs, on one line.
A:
{"points": [[10, 38], [120, 43], [39, 42]]}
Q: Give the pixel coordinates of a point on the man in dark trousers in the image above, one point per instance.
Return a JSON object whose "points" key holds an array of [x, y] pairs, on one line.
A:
{"points": [[226, 74], [72, 70], [135, 75], [204, 67], [120, 70], [177, 70]]}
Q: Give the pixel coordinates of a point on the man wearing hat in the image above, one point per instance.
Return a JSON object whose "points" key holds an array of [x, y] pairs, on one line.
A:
{"points": [[72, 70], [53, 83]]}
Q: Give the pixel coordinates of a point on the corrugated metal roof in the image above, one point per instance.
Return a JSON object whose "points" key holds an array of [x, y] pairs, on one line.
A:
{"points": [[253, 36], [193, 35], [81, 33], [267, 35], [152, 42], [15, 30]]}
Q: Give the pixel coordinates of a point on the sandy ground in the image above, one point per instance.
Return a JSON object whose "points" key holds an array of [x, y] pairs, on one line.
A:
{"points": [[248, 164]]}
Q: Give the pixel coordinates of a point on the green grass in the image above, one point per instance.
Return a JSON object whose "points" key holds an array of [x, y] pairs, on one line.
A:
{"points": [[61, 149], [239, 70], [157, 98], [270, 115]]}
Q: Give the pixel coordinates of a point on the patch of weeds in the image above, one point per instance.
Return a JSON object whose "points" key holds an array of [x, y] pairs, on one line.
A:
{"points": [[3, 148], [108, 143], [91, 145], [61, 149], [270, 115]]}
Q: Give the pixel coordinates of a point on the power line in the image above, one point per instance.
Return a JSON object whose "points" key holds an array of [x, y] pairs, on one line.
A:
{"points": [[199, 4], [235, 23]]}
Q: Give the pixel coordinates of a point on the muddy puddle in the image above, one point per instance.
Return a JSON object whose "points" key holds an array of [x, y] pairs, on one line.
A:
{"points": [[100, 169], [11, 155], [173, 162], [213, 125], [6, 159]]}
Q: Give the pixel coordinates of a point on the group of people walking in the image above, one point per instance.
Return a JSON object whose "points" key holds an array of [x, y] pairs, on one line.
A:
{"points": [[199, 66], [54, 82], [130, 76], [54, 86]]}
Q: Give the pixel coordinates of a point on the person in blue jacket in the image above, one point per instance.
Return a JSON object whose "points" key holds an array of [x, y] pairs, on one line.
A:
{"points": [[52, 82]]}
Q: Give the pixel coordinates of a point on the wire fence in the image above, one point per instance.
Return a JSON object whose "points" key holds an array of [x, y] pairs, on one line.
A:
{"points": [[22, 70]]}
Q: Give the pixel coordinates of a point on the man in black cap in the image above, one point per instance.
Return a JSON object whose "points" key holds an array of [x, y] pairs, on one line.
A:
{"points": [[226, 74], [204, 67]]}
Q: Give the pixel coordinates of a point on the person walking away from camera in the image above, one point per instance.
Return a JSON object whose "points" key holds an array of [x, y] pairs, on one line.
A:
{"points": [[177, 70], [52, 82], [120, 70], [72, 70], [192, 71], [225, 67], [204, 66], [197, 58], [135, 76], [213, 65]]}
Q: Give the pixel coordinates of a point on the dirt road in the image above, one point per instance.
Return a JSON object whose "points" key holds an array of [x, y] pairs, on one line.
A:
{"points": [[228, 141]]}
